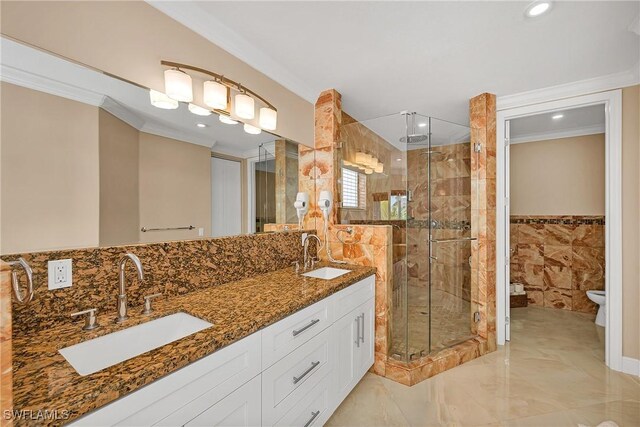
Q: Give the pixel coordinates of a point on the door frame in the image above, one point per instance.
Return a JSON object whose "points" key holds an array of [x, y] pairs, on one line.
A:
{"points": [[243, 185], [612, 101]]}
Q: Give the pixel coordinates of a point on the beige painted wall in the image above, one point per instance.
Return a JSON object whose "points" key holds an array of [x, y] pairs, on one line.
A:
{"points": [[85, 32], [49, 179], [175, 187], [631, 221], [558, 177], [119, 208]]}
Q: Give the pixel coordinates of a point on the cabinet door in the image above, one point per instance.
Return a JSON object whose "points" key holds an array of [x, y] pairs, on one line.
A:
{"points": [[365, 352], [345, 334], [240, 408]]}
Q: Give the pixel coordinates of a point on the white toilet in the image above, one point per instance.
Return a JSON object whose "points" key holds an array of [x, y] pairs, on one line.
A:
{"points": [[599, 298]]}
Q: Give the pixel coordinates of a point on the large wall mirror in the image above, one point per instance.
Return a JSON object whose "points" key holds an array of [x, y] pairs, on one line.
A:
{"points": [[87, 160]]}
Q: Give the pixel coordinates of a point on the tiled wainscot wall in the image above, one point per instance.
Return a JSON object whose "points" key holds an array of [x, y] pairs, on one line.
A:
{"points": [[558, 259]]}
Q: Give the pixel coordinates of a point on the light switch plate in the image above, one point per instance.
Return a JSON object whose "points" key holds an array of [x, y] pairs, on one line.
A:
{"points": [[304, 236], [60, 274]]}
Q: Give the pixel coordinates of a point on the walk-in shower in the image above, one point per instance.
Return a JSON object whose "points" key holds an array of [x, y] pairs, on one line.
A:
{"points": [[423, 190]]}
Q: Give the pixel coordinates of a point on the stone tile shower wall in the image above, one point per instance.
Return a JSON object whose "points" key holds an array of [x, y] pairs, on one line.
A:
{"points": [[558, 259]]}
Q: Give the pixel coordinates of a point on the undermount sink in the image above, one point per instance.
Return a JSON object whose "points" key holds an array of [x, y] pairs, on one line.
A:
{"points": [[99, 353], [326, 273]]}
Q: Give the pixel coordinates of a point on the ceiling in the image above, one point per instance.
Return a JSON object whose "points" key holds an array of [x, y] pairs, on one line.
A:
{"points": [[574, 122], [429, 57], [29, 67]]}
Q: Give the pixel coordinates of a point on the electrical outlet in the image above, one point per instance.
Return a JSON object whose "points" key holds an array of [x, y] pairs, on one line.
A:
{"points": [[60, 274], [200, 232]]}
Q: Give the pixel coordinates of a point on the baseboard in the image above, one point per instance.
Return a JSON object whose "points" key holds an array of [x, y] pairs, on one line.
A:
{"points": [[631, 366]]}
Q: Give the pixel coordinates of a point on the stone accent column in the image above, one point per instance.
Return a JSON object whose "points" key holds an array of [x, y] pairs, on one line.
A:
{"points": [[482, 111], [6, 379]]}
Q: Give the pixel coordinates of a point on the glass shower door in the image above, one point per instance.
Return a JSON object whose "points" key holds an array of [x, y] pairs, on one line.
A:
{"points": [[449, 194]]}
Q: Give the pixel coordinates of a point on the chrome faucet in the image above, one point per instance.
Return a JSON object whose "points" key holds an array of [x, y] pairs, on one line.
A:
{"points": [[305, 244], [122, 296]]}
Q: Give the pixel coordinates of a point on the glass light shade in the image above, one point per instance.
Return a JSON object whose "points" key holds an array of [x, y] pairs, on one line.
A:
{"points": [[268, 118], [198, 110], [361, 158], [252, 129], [373, 163], [244, 106], [160, 100], [227, 120], [215, 95], [379, 168], [177, 85], [367, 159], [347, 163], [360, 167], [368, 171]]}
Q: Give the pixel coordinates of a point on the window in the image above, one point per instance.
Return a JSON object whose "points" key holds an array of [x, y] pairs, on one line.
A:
{"points": [[354, 189]]}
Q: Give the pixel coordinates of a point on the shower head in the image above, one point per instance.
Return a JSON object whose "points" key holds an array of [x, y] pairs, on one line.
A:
{"points": [[414, 138]]}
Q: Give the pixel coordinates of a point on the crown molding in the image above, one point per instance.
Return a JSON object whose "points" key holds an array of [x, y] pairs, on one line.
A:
{"points": [[630, 77], [567, 133], [122, 112], [194, 17], [29, 80]]}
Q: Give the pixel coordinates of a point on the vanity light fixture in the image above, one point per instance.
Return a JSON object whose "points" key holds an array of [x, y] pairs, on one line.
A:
{"points": [[557, 116], [227, 120], [368, 171], [379, 168], [252, 129], [160, 100], [537, 8], [217, 95], [177, 85], [199, 111], [244, 106]]}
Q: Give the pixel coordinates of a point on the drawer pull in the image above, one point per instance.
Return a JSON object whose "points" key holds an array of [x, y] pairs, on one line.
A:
{"points": [[314, 365], [296, 332], [314, 415], [358, 331], [362, 330]]}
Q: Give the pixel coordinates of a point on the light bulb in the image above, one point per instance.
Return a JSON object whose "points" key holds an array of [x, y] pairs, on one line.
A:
{"points": [[360, 158], [177, 85], [244, 106], [160, 100], [215, 95], [227, 120], [198, 110], [268, 118], [252, 129]]}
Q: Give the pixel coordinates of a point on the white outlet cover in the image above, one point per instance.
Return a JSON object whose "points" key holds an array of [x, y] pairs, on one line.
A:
{"points": [[53, 268]]}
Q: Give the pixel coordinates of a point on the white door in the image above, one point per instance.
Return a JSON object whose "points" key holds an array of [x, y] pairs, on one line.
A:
{"points": [[507, 235], [226, 197]]}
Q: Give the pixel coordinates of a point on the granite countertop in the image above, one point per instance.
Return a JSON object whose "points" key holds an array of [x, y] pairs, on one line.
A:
{"points": [[44, 380]]}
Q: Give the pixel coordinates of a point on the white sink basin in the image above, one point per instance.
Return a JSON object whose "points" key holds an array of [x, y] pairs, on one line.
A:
{"points": [[99, 353], [326, 273]]}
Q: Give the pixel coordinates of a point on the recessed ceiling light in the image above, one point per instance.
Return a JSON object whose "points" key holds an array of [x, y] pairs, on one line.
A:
{"points": [[198, 110], [201, 125], [398, 160], [537, 8], [227, 120], [422, 124], [557, 116]]}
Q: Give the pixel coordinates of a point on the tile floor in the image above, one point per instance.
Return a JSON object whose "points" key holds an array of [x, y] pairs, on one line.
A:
{"points": [[551, 374]]}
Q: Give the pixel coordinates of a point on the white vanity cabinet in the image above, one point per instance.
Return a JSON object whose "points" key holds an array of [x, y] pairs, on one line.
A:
{"points": [[294, 372]]}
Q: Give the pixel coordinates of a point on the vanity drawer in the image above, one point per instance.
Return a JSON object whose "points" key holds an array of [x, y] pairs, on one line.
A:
{"points": [[182, 395], [282, 338], [313, 409], [290, 380], [348, 299]]}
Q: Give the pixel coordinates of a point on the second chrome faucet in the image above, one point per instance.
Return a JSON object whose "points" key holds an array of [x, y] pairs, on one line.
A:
{"points": [[122, 292]]}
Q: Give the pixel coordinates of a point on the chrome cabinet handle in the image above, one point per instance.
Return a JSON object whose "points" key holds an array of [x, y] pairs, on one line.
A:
{"points": [[362, 331], [314, 365], [358, 331], [314, 415], [296, 332]]}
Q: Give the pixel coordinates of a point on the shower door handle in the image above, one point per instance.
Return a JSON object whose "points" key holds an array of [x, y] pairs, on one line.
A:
{"points": [[463, 239]]}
